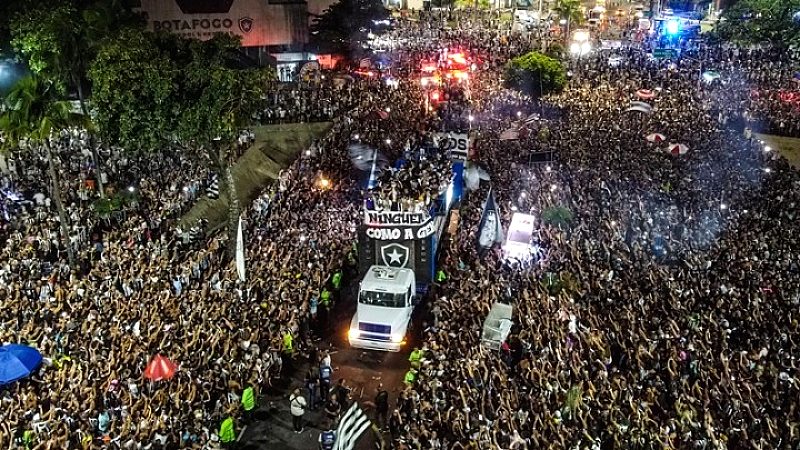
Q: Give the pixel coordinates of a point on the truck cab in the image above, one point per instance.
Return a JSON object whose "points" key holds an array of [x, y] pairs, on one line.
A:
{"points": [[386, 300]]}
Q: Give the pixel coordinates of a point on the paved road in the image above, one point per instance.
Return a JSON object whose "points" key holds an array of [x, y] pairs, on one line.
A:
{"points": [[362, 371]]}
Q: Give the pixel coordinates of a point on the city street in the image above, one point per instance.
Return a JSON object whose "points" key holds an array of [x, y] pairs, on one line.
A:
{"points": [[204, 203]]}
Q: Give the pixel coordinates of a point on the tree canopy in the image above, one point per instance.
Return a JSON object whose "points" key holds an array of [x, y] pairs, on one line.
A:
{"points": [[535, 74], [773, 22], [346, 23], [135, 94], [569, 10], [219, 100]]}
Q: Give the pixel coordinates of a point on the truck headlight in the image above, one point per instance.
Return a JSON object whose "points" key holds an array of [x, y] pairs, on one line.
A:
{"points": [[396, 337], [586, 47], [354, 333], [575, 48]]}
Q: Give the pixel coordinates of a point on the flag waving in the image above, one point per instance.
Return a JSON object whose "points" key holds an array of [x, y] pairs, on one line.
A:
{"points": [[490, 230], [240, 252], [354, 422]]}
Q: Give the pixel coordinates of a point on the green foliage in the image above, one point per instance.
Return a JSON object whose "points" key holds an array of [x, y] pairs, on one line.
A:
{"points": [[569, 10], [535, 74], [346, 23], [762, 22], [557, 216], [555, 51], [218, 100], [151, 89], [34, 110], [60, 40], [104, 207], [136, 92]]}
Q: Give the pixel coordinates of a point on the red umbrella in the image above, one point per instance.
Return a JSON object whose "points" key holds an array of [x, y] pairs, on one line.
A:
{"points": [[645, 94], [655, 137], [160, 368], [677, 149]]}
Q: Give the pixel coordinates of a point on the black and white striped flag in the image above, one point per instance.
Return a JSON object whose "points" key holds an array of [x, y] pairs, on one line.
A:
{"points": [[354, 422], [212, 191]]}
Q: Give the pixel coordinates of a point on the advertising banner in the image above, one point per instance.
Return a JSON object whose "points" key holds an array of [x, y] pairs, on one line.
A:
{"points": [[258, 23]]}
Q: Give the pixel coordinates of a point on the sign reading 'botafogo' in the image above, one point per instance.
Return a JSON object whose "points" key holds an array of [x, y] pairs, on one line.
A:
{"points": [[256, 22]]}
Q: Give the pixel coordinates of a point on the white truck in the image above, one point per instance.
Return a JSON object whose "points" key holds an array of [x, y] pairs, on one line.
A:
{"points": [[386, 300]]}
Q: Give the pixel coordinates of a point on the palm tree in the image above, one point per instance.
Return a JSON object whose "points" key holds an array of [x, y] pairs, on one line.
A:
{"points": [[34, 111], [571, 11], [60, 43]]}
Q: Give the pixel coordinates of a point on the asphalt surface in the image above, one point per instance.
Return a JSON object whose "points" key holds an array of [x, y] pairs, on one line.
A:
{"points": [[362, 371]]}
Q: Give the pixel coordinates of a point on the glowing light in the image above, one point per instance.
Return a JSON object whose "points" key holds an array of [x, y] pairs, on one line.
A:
{"points": [[514, 207], [548, 168], [471, 118], [767, 169], [324, 182], [186, 189], [723, 206], [302, 238], [523, 195], [580, 36], [767, 148], [673, 26], [553, 188], [388, 142], [355, 136], [308, 152], [131, 189]]}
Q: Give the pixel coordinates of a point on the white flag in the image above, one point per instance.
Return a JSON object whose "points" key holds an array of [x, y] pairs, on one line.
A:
{"points": [[240, 252], [354, 422]]}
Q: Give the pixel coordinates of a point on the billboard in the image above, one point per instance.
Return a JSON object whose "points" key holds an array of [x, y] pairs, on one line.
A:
{"points": [[258, 23]]}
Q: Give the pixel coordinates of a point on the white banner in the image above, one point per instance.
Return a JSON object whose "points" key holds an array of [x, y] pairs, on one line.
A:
{"points": [[458, 144], [240, 252]]}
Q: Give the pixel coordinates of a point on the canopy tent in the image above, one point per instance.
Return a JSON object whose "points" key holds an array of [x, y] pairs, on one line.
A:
{"points": [[645, 94], [655, 137], [17, 362], [677, 149], [497, 326], [160, 368]]}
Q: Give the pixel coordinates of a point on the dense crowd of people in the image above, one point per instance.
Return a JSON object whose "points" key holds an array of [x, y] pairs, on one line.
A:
{"points": [[663, 314], [137, 292]]}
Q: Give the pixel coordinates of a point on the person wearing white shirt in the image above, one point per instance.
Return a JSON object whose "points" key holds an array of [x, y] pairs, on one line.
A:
{"points": [[297, 406]]}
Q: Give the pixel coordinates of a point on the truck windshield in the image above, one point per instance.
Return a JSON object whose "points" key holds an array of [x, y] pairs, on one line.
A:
{"points": [[387, 299]]}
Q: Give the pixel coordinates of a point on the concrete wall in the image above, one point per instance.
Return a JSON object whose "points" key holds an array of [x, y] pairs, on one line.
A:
{"points": [[259, 23]]}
